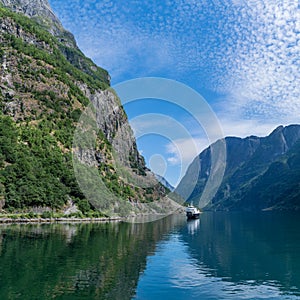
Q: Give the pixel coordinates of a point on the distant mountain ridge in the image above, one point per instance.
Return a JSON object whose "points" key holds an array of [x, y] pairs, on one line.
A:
{"points": [[262, 173], [164, 182]]}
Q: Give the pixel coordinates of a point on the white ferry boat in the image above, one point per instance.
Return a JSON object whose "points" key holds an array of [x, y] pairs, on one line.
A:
{"points": [[192, 212]]}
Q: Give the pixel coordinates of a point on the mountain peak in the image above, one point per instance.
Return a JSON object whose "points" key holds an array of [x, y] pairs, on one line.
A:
{"points": [[261, 172], [28, 7], [39, 10], [42, 13], [277, 130]]}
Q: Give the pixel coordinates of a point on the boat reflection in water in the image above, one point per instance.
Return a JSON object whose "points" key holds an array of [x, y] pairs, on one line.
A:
{"points": [[193, 226]]}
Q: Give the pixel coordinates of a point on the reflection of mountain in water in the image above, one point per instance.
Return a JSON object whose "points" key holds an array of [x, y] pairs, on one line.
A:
{"points": [[91, 261], [243, 247]]}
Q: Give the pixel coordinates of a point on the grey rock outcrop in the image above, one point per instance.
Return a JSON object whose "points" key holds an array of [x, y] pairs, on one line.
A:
{"points": [[38, 8], [41, 12], [112, 120]]}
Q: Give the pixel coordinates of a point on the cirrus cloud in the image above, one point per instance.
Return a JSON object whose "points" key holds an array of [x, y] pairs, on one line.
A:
{"points": [[248, 51]]}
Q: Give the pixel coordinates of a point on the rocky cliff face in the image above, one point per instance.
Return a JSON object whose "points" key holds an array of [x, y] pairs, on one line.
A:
{"points": [[41, 12], [32, 8], [46, 83], [255, 168]]}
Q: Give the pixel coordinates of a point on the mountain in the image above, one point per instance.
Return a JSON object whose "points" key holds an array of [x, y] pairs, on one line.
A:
{"points": [[262, 173], [46, 83], [164, 182], [41, 12]]}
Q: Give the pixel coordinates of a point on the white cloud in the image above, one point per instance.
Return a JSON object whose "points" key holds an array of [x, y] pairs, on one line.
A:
{"points": [[244, 128], [180, 145], [183, 151], [263, 76], [174, 160], [158, 124], [247, 50]]}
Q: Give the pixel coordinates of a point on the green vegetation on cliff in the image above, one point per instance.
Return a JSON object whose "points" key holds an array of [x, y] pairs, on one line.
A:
{"points": [[34, 170], [45, 85], [68, 59]]}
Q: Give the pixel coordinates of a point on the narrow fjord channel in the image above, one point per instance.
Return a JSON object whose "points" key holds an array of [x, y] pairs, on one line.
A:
{"points": [[219, 256]]}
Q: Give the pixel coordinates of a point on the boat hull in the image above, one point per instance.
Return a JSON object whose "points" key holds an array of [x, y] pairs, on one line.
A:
{"points": [[192, 216]]}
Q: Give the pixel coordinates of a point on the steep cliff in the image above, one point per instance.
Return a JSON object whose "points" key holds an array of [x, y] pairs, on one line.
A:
{"points": [[41, 12], [46, 83], [261, 173]]}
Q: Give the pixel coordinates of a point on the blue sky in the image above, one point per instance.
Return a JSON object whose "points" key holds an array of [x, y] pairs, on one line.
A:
{"points": [[243, 57]]}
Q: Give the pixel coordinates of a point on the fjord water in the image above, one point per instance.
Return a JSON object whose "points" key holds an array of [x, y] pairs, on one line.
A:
{"points": [[219, 256]]}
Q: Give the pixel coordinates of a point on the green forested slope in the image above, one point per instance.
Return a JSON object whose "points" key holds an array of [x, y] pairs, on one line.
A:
{"points": [[45, 84]]}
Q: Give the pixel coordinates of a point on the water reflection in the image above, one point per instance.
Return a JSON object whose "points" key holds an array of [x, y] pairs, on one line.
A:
{"points": [[219, 256], [227, 256], [193, 226], [243, 247], [83, 261]]}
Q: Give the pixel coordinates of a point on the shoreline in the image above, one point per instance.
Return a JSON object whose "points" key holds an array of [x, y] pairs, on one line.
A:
{"points": [[65, 220], [58, 220]]}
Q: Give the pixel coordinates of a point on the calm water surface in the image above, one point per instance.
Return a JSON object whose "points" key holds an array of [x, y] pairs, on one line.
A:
{"points": [[220, 256]]}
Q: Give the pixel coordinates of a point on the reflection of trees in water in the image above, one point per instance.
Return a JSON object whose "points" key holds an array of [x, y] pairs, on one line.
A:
{"points": [[241, 246], [93, 261]]}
